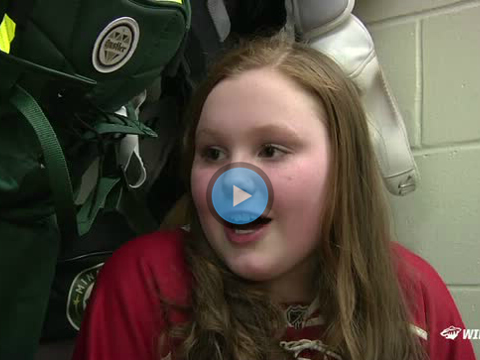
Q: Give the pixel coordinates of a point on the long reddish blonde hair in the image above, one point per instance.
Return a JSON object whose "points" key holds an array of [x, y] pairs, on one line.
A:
{"points": [[362, 302]]}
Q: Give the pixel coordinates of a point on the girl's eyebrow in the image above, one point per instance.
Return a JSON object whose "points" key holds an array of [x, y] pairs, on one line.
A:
{"points": [[269, 129]]}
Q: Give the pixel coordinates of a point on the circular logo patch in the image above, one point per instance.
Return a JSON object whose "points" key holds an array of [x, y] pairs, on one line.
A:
{"points": [[115, 45], [79, 293]]}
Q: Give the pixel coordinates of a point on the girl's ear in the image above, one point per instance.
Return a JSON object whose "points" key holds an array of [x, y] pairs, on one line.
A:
{"points": [[177, 216]]}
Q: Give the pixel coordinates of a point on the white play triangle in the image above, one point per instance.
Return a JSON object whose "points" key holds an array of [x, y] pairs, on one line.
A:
{"points": [[239, 195]]}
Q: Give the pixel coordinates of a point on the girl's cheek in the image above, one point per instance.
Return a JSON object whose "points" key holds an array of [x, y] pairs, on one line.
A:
{"points": [[284, 194], [295, 188], [199, 184]]}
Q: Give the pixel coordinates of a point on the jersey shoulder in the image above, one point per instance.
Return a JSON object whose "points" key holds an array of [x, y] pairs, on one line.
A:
{"points": [[417, 276], [158, 256], [433, 308], [133, 300], [416, 272]]}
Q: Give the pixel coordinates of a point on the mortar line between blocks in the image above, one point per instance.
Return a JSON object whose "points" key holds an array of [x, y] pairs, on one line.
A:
{"points": [[475, 287], [419, 86], [420, 14], [446, 148]]}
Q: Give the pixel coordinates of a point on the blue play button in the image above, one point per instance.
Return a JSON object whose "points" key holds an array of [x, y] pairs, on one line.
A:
{"points": [[240, 193]]}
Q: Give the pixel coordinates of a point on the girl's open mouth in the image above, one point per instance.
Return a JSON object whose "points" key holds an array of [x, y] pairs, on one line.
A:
{"points": [[247, 232]]}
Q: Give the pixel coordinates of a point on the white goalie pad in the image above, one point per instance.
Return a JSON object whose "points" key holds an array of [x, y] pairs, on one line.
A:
{"points": [[340, 35]]}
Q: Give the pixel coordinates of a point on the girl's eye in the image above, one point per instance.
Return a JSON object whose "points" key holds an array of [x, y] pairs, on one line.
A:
{"points": [[270, 150], [211, 153]]}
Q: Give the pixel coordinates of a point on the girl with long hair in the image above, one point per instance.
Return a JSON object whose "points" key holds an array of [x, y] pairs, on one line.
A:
{"points": [[320, 278]]}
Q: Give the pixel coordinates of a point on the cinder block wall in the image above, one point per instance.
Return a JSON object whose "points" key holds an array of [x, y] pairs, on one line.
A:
{"points": [[430, 53]]}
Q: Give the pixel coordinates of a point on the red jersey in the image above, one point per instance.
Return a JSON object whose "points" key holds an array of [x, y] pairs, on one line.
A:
{"points": [[124, 318]]}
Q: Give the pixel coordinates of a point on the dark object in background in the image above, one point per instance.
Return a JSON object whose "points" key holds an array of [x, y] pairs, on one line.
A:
{"points": [[76, 272], [253, 17], [248, 18]]}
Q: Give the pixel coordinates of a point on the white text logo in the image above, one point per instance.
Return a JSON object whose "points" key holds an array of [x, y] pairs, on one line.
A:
{"points": [[452, 333]]}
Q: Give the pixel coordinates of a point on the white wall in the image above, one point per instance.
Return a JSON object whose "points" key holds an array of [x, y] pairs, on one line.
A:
{"points": [[430, 51]]}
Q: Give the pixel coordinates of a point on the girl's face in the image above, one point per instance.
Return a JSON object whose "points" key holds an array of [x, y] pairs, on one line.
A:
{"points": [[263, 118]]}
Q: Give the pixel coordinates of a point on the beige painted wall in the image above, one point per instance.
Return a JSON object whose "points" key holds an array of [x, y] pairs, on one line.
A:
{"points": [[430, 52]]}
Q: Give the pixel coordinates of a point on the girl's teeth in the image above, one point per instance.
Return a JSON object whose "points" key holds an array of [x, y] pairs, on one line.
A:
{"points": [[237, 231]]}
